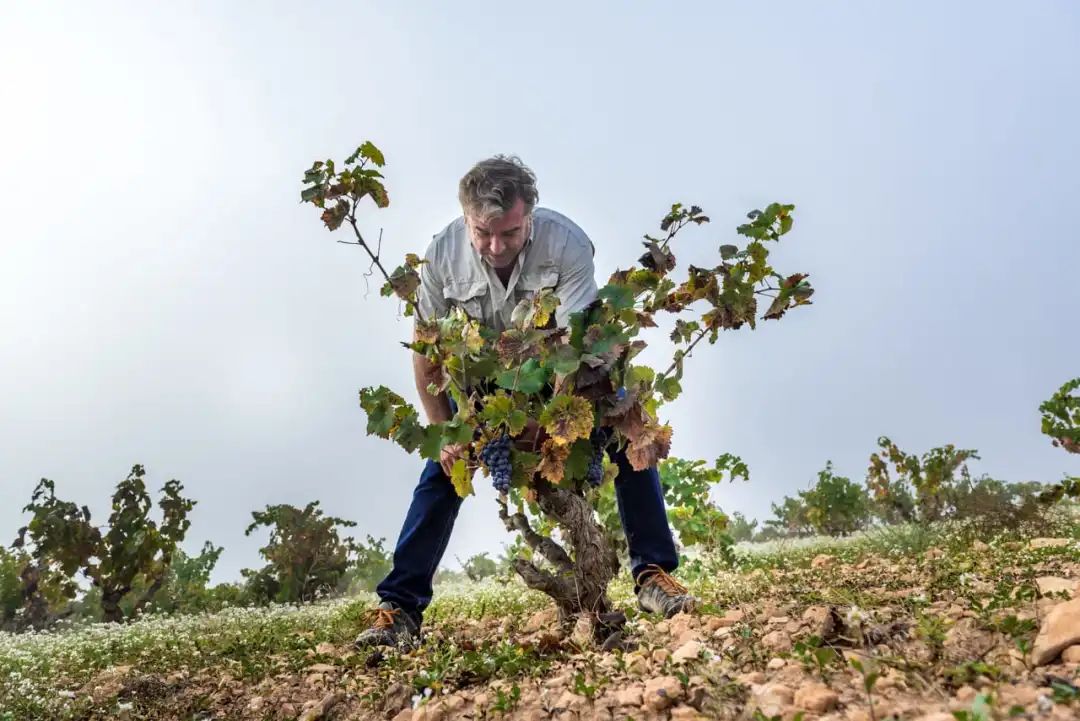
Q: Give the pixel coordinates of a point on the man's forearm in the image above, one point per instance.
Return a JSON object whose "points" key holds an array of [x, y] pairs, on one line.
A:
{"points": [[437, 407]]}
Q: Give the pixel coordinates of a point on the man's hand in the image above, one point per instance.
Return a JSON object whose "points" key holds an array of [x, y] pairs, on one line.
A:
{"points": [[448, 455]]}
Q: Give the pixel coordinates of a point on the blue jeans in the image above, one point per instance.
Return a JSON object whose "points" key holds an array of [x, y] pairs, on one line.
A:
{"points": [[434, 509]]}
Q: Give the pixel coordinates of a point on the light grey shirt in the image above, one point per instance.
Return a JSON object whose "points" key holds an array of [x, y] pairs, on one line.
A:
{"points": [[557, 255]]}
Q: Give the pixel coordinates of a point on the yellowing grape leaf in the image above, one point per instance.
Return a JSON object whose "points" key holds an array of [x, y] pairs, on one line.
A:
{"points": [[649, 447], [553, 461], [567, 418], [461, 477]]}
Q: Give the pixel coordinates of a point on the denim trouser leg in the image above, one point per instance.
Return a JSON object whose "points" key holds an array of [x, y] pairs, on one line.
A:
{"points": [[644, 519], [422, 542]]}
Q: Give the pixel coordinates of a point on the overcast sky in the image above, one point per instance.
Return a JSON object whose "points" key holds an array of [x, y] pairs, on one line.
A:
{"points": [[166, 300]]}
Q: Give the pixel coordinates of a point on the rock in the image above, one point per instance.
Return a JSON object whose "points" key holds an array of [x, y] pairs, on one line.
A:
{"points": [[965, 641], [816, 697], [775, 664], [819, 620], [660, 655], [751, 679], [1049, 542], [1059, 630], [713, 623], [320, 668], [637, 665], [571, 701], [978, 545], [661, 692], [937, 716], [404, 714], [1055, 584], [777, 641], [771, 698], [326, 649], [1071, 654], [682, 629], [733, 616], [686, 713], [542, 619], [933, 553], [687, 652], [563, 679], [630, 695], [778, 620], [396, 696], [322, 707], [822, 560], [584, 632]]}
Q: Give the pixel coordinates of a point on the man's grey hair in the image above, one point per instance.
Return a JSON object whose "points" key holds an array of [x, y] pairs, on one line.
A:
{"points": [[493, 186]]}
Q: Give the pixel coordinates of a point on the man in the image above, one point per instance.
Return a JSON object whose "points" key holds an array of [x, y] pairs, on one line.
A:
{"points": [[502, 250]]}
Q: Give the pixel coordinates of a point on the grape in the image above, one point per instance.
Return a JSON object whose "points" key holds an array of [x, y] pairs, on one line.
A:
{"points": [[496, 456], [599, 441]]}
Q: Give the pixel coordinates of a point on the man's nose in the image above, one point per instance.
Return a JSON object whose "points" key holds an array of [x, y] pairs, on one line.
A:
{"points": [[497, 245]]}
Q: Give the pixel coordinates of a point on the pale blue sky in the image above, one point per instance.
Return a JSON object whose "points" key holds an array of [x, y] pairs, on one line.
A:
{"points": [[165, 300]]}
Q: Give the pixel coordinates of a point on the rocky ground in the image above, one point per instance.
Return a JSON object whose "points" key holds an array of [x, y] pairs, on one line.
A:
{"points": [[858, 631]]}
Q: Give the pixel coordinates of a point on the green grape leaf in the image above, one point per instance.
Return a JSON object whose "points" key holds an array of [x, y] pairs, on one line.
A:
{"points": [[530, 377]]}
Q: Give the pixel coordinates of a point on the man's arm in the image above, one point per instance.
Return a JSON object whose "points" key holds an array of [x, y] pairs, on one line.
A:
{"points": [[577, 279], [437, 407]]}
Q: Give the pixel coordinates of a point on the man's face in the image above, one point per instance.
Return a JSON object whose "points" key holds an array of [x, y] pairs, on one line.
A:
{"points": [[499, 240]]}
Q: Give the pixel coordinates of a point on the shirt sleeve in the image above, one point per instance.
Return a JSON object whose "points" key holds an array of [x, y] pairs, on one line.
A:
{"points": [[430, 293], [577, 278]]}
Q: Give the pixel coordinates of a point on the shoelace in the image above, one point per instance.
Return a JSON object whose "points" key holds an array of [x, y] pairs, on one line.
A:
{"points": [[384, 617], [653, 574]]}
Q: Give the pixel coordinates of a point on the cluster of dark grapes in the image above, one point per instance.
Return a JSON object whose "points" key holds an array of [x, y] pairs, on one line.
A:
{"points": [[599, 441], [496, 456]]}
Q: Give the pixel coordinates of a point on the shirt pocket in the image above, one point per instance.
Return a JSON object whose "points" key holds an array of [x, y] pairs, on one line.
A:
{"points": [[535, 279], [467, 295]]}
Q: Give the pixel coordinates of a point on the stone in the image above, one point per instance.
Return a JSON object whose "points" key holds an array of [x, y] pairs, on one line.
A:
{"points": [[933, 553], [733, 616], [1055, 584], [965, 641], [777, 641], [687, 713], [637, 665], [660, 655], [630, 695], [937, 716], [571, 701], [1071, 654], [978, 545], [320, 668], [1059, 630], [819, 620], [775, 664], [771, 698], [713, 623], [822, 560], [404, 714], [661, 692], [584, 632], [751, 678], [816, 697], [689, 651], [1049, 542], [682, 629]]}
